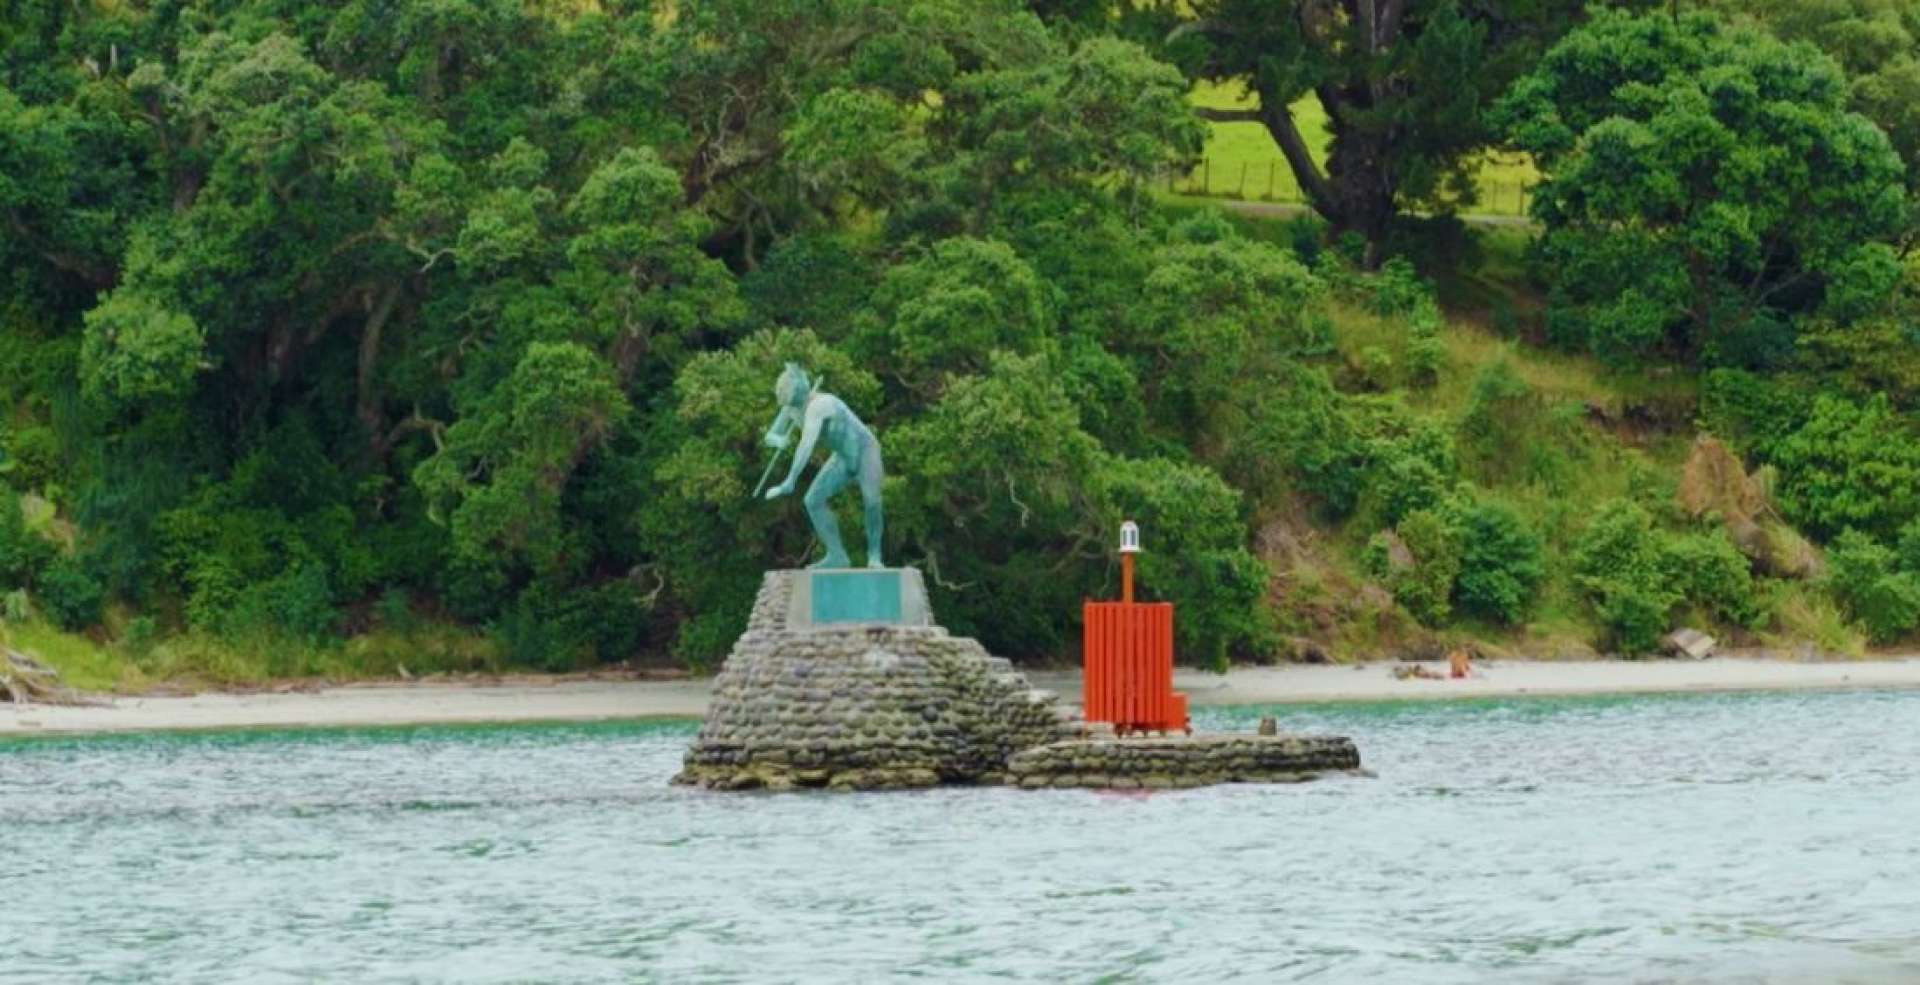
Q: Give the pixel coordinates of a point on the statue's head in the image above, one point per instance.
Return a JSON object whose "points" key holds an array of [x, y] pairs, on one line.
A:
{"points": [[793, 387]]}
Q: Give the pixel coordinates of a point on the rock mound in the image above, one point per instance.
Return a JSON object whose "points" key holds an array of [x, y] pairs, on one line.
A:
{"points": [[862, 706]]}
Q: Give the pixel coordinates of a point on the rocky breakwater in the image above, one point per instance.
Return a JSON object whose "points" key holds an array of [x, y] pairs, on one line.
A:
{"points": [[1182, 761], [854, 706]]}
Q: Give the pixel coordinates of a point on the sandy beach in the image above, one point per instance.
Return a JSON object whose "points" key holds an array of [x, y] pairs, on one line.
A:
{"points": [[590, 700]]}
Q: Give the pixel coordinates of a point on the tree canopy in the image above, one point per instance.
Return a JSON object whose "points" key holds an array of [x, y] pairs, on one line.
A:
{"points": [[323, 317], [1705, 187]]}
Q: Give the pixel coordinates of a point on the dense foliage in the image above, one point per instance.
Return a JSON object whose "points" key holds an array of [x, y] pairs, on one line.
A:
{"points": [[322, 318], [1707, 187]]}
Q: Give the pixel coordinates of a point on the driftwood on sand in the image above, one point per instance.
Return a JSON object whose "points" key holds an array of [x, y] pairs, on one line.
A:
{"points": [[24, 680]]}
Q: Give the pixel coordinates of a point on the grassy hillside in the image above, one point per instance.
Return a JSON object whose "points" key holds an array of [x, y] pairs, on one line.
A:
{"points": [[1565, 434]]}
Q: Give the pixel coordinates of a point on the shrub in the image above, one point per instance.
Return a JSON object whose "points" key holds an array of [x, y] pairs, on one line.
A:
{"points": [[1406, 482], [141, 636], [1755, 413], [1635, 615], [22, 553], [1492, 431], [1375, 367], [1707, 569], [529, 638], [1411, 463], [300, 602], [1300, 433], [394, 610], [1398, 289], [71, 597], [1861, 575], [1907, 548], [1426, 353], [558, 627], [1501, 562], [1618, 564], [1423, 582], [1304, 235], [33, 457], [1850, 465]]}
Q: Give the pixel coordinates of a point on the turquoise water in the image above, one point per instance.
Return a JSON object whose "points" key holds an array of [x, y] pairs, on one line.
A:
{"points": [[1722, 838]]}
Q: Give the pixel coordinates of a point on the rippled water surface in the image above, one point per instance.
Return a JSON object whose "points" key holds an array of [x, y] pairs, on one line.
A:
{"points": [[1723, 838]]}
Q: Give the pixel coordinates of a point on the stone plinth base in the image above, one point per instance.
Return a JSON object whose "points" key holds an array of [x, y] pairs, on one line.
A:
{"points": [[861, 706], [1181, 761]]}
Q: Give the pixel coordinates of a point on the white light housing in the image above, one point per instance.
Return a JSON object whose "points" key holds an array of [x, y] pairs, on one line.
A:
{"points": [[1129, 538]]}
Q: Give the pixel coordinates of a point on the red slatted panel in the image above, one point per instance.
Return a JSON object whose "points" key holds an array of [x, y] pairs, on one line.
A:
{"points": [[1128, 654]]}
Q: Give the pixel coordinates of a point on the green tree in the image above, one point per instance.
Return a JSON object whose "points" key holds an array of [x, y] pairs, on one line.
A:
{"points": [[1423, 579], [1705, 186], [1850, 465], [1619, 566], [947, 312], [1502, 562], [1405, 84], [1862, 575], [1877, 42]]}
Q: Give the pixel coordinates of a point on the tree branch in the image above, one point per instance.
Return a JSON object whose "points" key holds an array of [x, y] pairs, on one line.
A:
{"points": [[418, 422], [367, 407], [1205, 25], [1293, 147], [97, 277]]}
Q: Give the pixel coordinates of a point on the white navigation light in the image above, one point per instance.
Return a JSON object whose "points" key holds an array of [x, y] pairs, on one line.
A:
{"points": [[1129, 538]]}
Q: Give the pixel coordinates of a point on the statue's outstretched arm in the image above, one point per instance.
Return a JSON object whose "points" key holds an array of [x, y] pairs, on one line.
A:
{"points": [[777, 431], [809, 435]]}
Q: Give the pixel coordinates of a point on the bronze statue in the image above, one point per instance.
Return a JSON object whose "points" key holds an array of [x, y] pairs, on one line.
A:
{"points": [[855, 455]]}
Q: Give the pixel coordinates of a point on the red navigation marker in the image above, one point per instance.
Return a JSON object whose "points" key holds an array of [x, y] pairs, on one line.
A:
{"points": [[1128, 651]]}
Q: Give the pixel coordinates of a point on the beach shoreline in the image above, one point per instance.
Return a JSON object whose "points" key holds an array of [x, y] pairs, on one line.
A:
{"points": [[534, 699]]}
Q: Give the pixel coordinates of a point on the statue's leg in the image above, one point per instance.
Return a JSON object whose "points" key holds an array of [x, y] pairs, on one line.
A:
{"points": [[831, 478], [871, 474]]}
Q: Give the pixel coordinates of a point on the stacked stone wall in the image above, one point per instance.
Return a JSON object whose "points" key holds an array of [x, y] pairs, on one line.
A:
{"points": [[863, 706], [1194, 761]]}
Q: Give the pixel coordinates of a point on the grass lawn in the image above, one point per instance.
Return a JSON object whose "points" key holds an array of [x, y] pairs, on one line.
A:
{"points": [[1242, 162]]}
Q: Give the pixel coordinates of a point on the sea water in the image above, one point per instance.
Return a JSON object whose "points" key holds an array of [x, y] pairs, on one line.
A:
{"points": [[1758, 837]]}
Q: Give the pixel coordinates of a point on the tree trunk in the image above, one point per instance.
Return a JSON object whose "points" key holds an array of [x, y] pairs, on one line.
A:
{"points": [[1356, 191], [367, 403], [1362, 195]]}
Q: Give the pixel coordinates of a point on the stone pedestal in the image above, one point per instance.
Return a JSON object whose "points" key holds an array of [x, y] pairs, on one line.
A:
{"points": [[862, 703]]}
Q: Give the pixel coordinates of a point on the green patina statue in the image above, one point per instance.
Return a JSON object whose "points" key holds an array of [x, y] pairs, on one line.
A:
{"points": [[855, 454]]}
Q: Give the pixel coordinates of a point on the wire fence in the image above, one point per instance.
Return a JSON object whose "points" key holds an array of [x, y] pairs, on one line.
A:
{"points": [[1273, 181]]}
